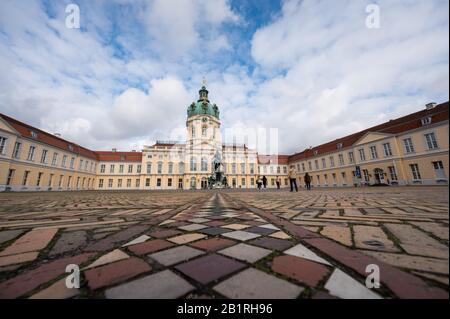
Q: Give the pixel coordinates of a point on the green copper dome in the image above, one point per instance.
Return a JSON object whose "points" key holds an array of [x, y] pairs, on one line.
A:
{"points": [[203, 106]]}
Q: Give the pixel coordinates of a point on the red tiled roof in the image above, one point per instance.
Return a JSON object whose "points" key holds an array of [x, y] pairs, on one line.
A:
{"points": [[47, 138], [273, 159], [406, 123], [111, 156]]}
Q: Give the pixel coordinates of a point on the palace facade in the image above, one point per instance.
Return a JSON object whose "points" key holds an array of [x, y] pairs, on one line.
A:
{"points": [[410, 150]]}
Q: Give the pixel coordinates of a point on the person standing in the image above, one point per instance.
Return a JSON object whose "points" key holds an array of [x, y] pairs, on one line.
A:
{"points": [[308, 181], [292, 179], [264, 181], [278, 181], [259, 182]]}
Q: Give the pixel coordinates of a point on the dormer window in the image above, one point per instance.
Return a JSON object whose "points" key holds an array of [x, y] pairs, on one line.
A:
{"points": [[426, 120], [316, 152], [122, 157], [339, 146], [70, 148], [34, 134]]}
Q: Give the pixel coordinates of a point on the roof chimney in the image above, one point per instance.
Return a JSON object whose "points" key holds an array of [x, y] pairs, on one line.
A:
{"points": [[57, 134], [114, 149], [431, 105]]}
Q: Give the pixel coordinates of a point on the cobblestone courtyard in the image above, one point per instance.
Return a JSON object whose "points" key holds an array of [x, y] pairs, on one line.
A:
{"points": [[230, 244]]}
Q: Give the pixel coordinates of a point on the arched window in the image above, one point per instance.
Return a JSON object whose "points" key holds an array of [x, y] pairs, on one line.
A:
{"points": [[204, 131], [193, 131], [204, 164], [193, 164]]}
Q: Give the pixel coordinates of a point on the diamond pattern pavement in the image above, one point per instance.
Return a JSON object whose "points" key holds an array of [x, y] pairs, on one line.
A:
{"points": [[228, 244]]}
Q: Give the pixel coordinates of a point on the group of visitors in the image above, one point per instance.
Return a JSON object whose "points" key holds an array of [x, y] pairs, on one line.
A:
{"points": [[262, 181]]}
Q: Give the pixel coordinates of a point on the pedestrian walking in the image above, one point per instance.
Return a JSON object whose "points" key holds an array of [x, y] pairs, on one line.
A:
{"points": [[264, 181], [308, 181], [278, 181]]}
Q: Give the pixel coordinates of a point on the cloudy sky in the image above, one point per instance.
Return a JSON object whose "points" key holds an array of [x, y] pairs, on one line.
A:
{"points": [[312, 68]]}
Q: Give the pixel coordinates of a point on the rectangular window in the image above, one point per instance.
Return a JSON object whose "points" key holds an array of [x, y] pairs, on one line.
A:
{"points": [[69, 182], [278, 169], [119, 182], [64, 160], [16, 151], [243, 168], [39, 178], [318, 180], [139, 167], [271, 169], [50, 180], [366, 175], [252, 181], [72, 162], [31, 152], [409, 147], [415, 171], [324, 163], [102, 168], [44, 157], [121, 169], [138, 182], [331, 161], [310, 166], [431, 141], [439, 170], [10, 176], [159, 167], [60, 180], [285, 169], [387, 149], [243, 182], [362, 155], [252, 168], [100, 183], [341, 159], [110, 183], [303, 167], [81, 164], [169, 182], [147, 182], [344, 178], [233, 168], [350, 157], [149, 168], [316, 164], [158, 182], [129, 182], [373, 152], [111, 168], [130, 169], [2, 145], [392, 173], [170, 171], [25, 178], [54, 159], [180, 183]]}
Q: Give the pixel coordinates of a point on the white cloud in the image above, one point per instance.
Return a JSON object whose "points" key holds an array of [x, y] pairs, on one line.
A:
{"points": [[339, 76]]}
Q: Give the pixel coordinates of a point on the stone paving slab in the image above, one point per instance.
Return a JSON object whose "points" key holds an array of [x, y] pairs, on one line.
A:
{"points": [[255, 284], [162, 285]]}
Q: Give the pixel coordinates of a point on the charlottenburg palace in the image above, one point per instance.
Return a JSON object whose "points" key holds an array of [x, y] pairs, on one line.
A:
{"points": [[411, 150]]}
